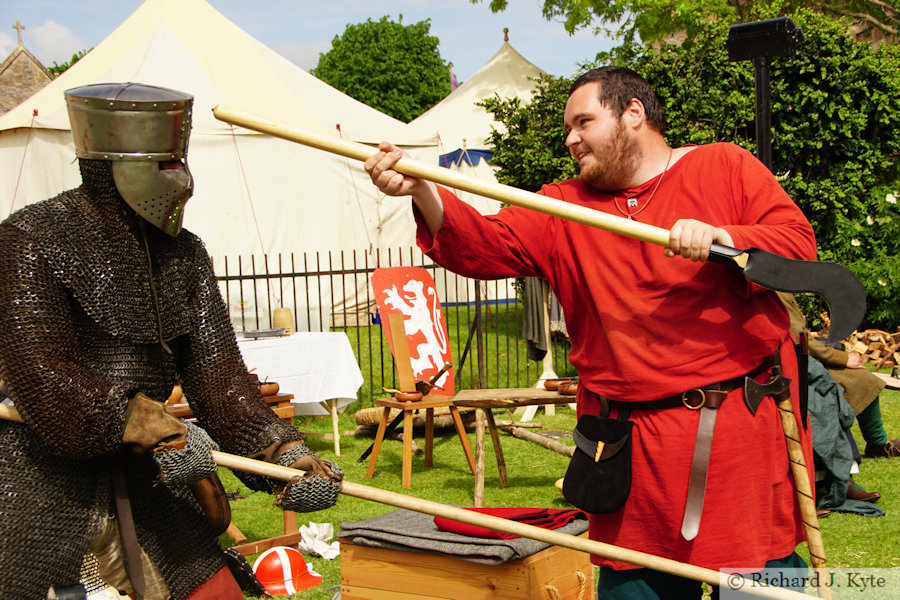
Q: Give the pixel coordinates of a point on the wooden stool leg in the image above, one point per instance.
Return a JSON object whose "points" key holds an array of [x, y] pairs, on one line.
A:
{"points": [[461, 432], [406, 477], [290, 522], [379, 437], [498, 450], [429, 437], [235, 533], [478, 499], [335, 429]]}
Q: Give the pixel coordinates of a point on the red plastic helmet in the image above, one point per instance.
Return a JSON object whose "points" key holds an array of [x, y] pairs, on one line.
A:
{"points": [[283, 571]]}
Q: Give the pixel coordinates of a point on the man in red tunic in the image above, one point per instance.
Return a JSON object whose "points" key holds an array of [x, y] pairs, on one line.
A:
{"points": [[647, 325]]}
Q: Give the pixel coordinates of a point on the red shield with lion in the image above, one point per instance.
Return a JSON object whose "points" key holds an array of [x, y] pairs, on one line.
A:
{"points": [[410, 291]]}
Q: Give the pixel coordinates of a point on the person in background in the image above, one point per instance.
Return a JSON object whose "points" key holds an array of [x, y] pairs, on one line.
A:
{"points": [[861, 388], [106, 302], [661, 333]]}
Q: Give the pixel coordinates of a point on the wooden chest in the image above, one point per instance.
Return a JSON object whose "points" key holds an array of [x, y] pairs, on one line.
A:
{"points": [[378, 574]]}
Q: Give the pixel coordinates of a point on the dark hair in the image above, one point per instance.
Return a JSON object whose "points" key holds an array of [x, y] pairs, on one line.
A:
{"points": [[618, 86]]}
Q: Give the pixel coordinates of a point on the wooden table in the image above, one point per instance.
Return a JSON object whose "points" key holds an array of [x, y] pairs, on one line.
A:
{"points": [[318, 368], [279, 403], [484, 401]]}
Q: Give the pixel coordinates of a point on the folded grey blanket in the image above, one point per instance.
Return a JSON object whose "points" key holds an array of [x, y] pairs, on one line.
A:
{"points": [[411, 531]]}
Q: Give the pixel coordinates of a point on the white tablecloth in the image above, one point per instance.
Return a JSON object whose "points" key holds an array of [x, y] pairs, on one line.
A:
{"points": [[313, 366]]}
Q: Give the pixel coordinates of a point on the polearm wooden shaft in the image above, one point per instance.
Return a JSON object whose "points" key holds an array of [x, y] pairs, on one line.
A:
{"points": [[437, 174], [548, 536], [805, 497]]}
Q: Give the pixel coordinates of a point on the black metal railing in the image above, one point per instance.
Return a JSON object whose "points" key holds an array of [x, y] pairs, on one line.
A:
{"points": [[331, 292]]}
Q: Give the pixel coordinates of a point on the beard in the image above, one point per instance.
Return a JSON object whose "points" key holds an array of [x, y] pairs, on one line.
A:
{"points": [[616, 162]]}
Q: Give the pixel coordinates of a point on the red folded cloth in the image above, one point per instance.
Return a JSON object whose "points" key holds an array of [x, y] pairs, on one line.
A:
{"points": [[547, 518]]}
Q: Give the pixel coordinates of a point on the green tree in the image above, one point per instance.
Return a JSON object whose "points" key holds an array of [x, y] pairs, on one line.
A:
{"points": [[654, 20], [836, 135], [392, 67], [531, 151], [56, 69]]}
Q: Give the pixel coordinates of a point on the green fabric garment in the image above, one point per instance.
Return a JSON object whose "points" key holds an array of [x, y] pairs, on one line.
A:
{"points": [[829, 415], [860, 508]]}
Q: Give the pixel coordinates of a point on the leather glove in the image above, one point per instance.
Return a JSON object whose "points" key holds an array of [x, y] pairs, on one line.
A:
{"points": [[317, 489], [182, 450]]}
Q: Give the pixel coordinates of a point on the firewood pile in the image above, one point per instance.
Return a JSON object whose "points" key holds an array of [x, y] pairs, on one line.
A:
{"points": [[875, 346]]}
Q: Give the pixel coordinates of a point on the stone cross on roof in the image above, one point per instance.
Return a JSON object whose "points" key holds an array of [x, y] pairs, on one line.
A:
{"points": [[19, 27]]}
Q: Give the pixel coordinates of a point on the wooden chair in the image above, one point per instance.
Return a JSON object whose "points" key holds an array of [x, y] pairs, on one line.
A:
{"points": [[397, 340], [410, 313]]}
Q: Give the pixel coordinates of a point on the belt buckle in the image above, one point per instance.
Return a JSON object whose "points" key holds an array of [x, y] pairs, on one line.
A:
{"points": [[687, 404]]}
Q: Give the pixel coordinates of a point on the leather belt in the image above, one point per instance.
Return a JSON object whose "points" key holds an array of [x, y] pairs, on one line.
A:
{"points": [[707, 400]]}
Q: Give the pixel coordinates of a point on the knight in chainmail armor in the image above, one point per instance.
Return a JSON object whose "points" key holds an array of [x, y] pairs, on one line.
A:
{"points": [[106, 303]]}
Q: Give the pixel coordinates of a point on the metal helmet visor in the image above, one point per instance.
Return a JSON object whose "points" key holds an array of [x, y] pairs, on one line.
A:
{"points": [[144, 131]]}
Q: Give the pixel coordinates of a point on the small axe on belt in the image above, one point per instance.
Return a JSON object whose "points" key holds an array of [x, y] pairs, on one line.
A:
{"points": [[424, 387]]}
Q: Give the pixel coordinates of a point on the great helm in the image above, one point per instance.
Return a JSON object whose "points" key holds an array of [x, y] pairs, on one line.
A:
{"points": [[141, 129]]}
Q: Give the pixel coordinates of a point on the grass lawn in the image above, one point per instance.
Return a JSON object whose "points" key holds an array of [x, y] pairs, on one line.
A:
{"points": [[850, 540]]}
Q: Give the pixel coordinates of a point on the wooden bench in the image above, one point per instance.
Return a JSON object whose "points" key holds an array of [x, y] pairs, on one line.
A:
{"points": [[279, 403]]}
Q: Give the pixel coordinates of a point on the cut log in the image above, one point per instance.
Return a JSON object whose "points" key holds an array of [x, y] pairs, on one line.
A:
{"points": [[542, 440]]}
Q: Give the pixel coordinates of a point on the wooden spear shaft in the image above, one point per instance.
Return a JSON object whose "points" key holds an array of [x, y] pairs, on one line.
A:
{"points": [[488, 189], [549, 536]]}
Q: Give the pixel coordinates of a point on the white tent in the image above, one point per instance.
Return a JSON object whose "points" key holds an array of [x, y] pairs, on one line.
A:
{"points": [[463, 126], [254, 194]]}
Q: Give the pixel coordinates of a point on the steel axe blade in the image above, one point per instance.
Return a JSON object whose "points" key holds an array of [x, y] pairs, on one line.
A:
{"points": [[836, 284]]}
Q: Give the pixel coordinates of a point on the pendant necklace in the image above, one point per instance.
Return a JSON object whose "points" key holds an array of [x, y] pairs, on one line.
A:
{"points": [[632, 202]]}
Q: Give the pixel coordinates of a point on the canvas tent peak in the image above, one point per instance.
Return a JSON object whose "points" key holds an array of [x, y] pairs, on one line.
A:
{"points": [[254, 194], [458, 116]]}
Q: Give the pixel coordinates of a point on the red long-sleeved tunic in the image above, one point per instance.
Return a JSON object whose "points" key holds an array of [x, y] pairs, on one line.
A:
{"points": [[644, 326]]}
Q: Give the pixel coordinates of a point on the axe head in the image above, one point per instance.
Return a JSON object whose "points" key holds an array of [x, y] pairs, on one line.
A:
{"points": [[754, 392], [836, 284]]}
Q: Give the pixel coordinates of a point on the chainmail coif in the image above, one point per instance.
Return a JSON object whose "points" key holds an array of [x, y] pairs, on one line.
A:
{"points": [[79, 336]]}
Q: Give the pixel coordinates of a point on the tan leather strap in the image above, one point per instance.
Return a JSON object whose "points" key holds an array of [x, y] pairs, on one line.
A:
{"points": [[127, 531], [693, 506]]}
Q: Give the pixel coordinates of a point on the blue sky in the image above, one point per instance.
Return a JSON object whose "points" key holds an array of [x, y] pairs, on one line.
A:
{"points": [[301, 29]]}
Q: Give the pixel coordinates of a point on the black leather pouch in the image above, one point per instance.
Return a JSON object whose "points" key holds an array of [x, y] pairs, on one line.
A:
{"points": [[598, 479]]}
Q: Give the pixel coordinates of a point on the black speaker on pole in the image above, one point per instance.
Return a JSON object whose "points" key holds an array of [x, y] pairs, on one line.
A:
{"points": [[759, 41]]}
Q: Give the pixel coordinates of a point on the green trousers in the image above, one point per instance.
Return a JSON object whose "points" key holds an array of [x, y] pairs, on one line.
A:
{"points": [[871, 426]]}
